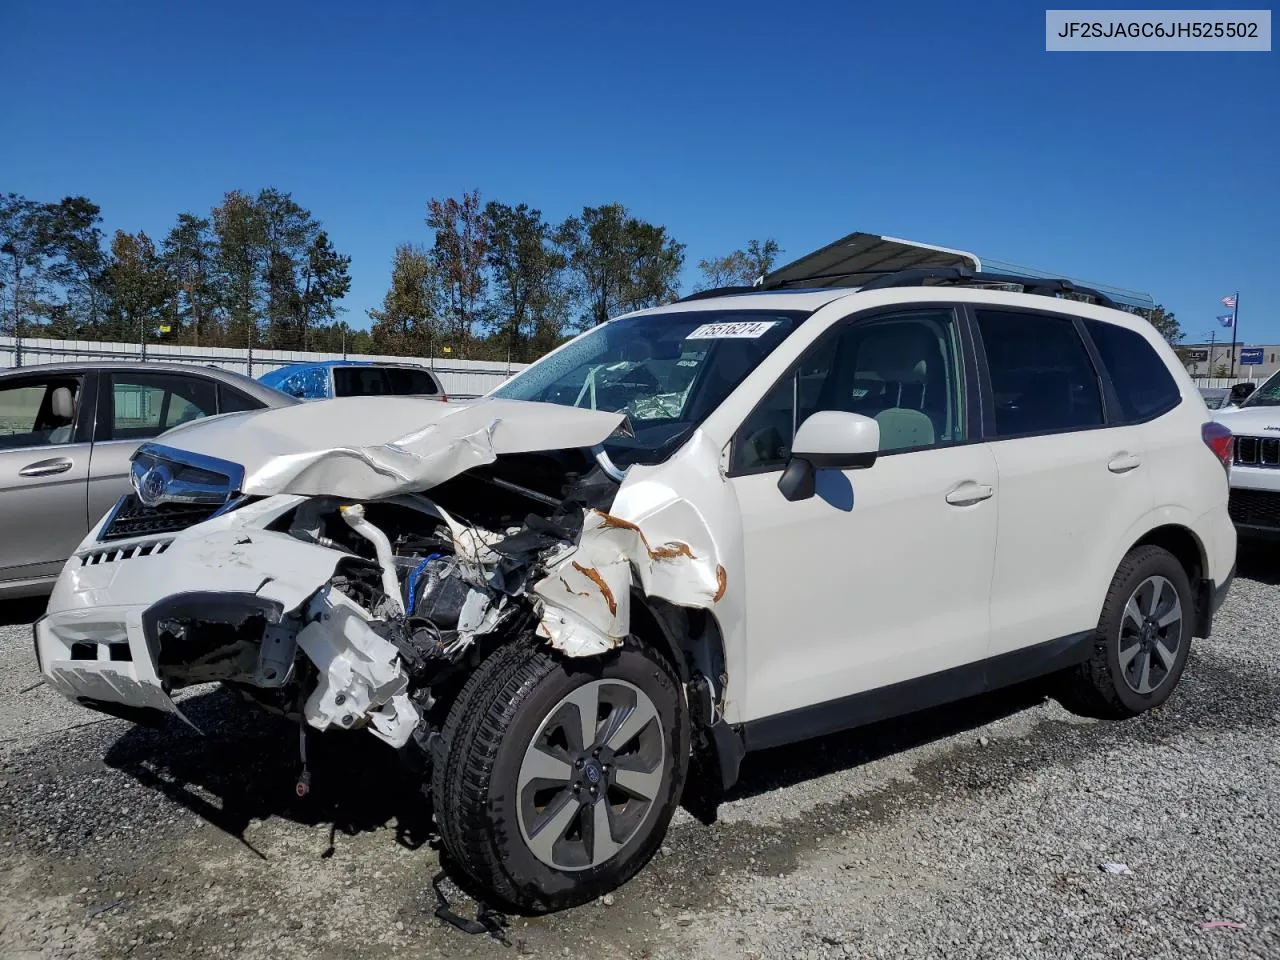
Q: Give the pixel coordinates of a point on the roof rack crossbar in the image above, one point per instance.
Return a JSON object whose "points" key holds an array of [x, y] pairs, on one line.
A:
{"points": [[1045, 286]]}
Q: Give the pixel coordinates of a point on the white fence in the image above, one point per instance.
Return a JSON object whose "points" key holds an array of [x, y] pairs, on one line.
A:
{"points": [[1214, 383], [460, 378]]}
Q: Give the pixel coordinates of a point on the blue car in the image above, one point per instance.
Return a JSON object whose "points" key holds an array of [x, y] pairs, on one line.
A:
{"points": [[353, 378]]}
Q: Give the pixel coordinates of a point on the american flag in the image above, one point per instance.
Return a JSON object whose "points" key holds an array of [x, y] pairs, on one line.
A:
{"points": [[1229, 301]]}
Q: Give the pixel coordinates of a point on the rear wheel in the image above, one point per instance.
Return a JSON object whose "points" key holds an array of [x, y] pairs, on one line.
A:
{"points": [[1142, 641], [559, 777]]}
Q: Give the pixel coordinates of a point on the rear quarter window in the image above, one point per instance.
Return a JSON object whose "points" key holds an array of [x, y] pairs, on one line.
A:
{"points": [[1144, 386]]}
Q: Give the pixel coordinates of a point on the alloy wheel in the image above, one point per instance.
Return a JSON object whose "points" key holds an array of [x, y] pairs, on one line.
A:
{"points": [[1150, 635], [590, 775]]}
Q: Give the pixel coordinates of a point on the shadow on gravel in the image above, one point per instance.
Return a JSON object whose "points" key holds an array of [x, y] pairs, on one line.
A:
{"points": [[246, 765], [15, 613], [790, 765], [1259, 562]]}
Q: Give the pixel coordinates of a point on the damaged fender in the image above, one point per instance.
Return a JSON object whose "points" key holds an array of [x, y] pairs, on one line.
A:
{"points": [[676, 547]]}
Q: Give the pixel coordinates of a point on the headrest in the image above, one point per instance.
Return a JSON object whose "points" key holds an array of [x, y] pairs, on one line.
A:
{"points": [[889, 354], [63, 403], [901, 428]]}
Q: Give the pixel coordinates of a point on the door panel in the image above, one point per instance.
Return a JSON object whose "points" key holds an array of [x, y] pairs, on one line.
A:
{"points": [[1069, 484], [1060, 511], [42, 474], [885, 575], [108, 476], [875, 580]]}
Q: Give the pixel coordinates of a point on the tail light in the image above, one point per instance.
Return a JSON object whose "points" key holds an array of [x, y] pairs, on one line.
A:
{"points": [[1218, 439]]}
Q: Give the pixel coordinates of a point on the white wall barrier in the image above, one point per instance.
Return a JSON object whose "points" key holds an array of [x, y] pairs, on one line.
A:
{"points": [[461, 378]]}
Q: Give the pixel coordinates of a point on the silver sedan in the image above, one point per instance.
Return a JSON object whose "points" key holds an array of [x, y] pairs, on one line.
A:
{"points": [[67, 431]]}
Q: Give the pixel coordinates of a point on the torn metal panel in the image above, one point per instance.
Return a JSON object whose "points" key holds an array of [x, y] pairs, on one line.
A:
{"points": [[671, 545], [360, 676], [375, 447]]}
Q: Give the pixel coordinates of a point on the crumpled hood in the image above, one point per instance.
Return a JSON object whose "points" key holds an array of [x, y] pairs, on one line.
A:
{"points": [[371, 447], [1250, 421]]}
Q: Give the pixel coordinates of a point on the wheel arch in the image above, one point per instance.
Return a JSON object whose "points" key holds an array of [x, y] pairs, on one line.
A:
{"points": [[1189, 550], [692, 640]]}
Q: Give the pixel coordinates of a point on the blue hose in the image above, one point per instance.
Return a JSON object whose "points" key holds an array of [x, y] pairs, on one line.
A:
{"points": [[413, 581]]}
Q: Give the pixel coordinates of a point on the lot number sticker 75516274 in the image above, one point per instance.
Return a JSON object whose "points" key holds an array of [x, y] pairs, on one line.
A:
{"points": [[742, 330]]}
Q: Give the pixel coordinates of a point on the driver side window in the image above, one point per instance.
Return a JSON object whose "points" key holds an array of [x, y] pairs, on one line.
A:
{"points": [[903, 371]]}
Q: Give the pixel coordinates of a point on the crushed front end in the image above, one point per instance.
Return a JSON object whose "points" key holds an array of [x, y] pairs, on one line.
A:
{"points": [[346, 614]]}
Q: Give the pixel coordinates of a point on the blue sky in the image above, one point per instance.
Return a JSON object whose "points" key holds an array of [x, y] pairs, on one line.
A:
{"points": [[724, 121]]}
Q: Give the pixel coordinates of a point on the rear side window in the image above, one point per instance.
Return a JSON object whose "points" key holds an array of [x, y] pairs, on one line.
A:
{"points": [[1142, 382], [231, 400], [1042, 380], [144, 405], [377, 381]]}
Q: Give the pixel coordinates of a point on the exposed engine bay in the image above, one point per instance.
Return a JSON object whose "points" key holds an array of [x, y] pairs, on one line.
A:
{"points": [[417, 586], [416, 590]]}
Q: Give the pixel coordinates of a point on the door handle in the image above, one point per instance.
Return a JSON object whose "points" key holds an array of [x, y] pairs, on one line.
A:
{"points": [[47, 468], [1124, 462], [968, 493]]}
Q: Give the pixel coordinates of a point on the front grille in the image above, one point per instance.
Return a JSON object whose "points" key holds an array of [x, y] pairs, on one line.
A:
{"points": [[1255, 508], [133, 519], [1258, 451]]}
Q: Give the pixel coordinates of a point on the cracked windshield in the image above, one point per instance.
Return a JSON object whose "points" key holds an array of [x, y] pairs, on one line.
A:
{"points": [[1267, 395], [665, 371]]}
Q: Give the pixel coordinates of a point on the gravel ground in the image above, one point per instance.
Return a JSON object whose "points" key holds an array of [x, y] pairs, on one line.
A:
{"points": [[977, 830]]}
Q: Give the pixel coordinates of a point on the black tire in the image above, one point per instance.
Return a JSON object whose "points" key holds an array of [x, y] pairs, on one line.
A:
{"points": [[483, 744], [1098, 687]]}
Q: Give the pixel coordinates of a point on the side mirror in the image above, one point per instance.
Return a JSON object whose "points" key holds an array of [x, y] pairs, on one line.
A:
{"points": [[1242, 391], [830, 439]]}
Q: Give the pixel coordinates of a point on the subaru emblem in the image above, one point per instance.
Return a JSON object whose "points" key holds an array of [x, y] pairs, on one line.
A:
{"points": [[154, 485]]}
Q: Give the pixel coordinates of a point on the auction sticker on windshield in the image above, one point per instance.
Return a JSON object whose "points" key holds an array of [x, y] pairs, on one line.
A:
{"points": [[742, 330]]}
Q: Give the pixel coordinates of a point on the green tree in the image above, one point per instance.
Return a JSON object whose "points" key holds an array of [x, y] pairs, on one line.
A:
{"points": [[618, 262], [458, 257], [408, 323], [325, 281], [1164, 322], [140, 287], [739, 268], [190, 255], [240, 253], [25, 246], [527, 289], [79, 265]]}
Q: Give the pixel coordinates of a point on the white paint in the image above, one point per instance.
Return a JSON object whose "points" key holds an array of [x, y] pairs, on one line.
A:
{"points": [[368, 448], [815, 600]]}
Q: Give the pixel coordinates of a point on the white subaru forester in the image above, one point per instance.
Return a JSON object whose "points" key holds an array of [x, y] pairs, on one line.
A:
{"points": [[695, 531]]}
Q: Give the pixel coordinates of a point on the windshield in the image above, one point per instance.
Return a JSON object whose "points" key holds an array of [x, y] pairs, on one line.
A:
{"points": [[666, 371], [1267, 395]]}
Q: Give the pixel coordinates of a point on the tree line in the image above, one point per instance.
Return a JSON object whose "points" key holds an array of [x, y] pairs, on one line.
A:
{"points": [[258, 270], [490, 280], [498, 280]]}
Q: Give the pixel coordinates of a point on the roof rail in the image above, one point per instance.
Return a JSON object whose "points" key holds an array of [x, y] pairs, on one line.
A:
{"points": [[961, 276], [718, 292]]}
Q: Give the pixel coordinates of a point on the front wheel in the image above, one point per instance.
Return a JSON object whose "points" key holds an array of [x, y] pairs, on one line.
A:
{"points": [[558, 777], [1142, 641]]}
